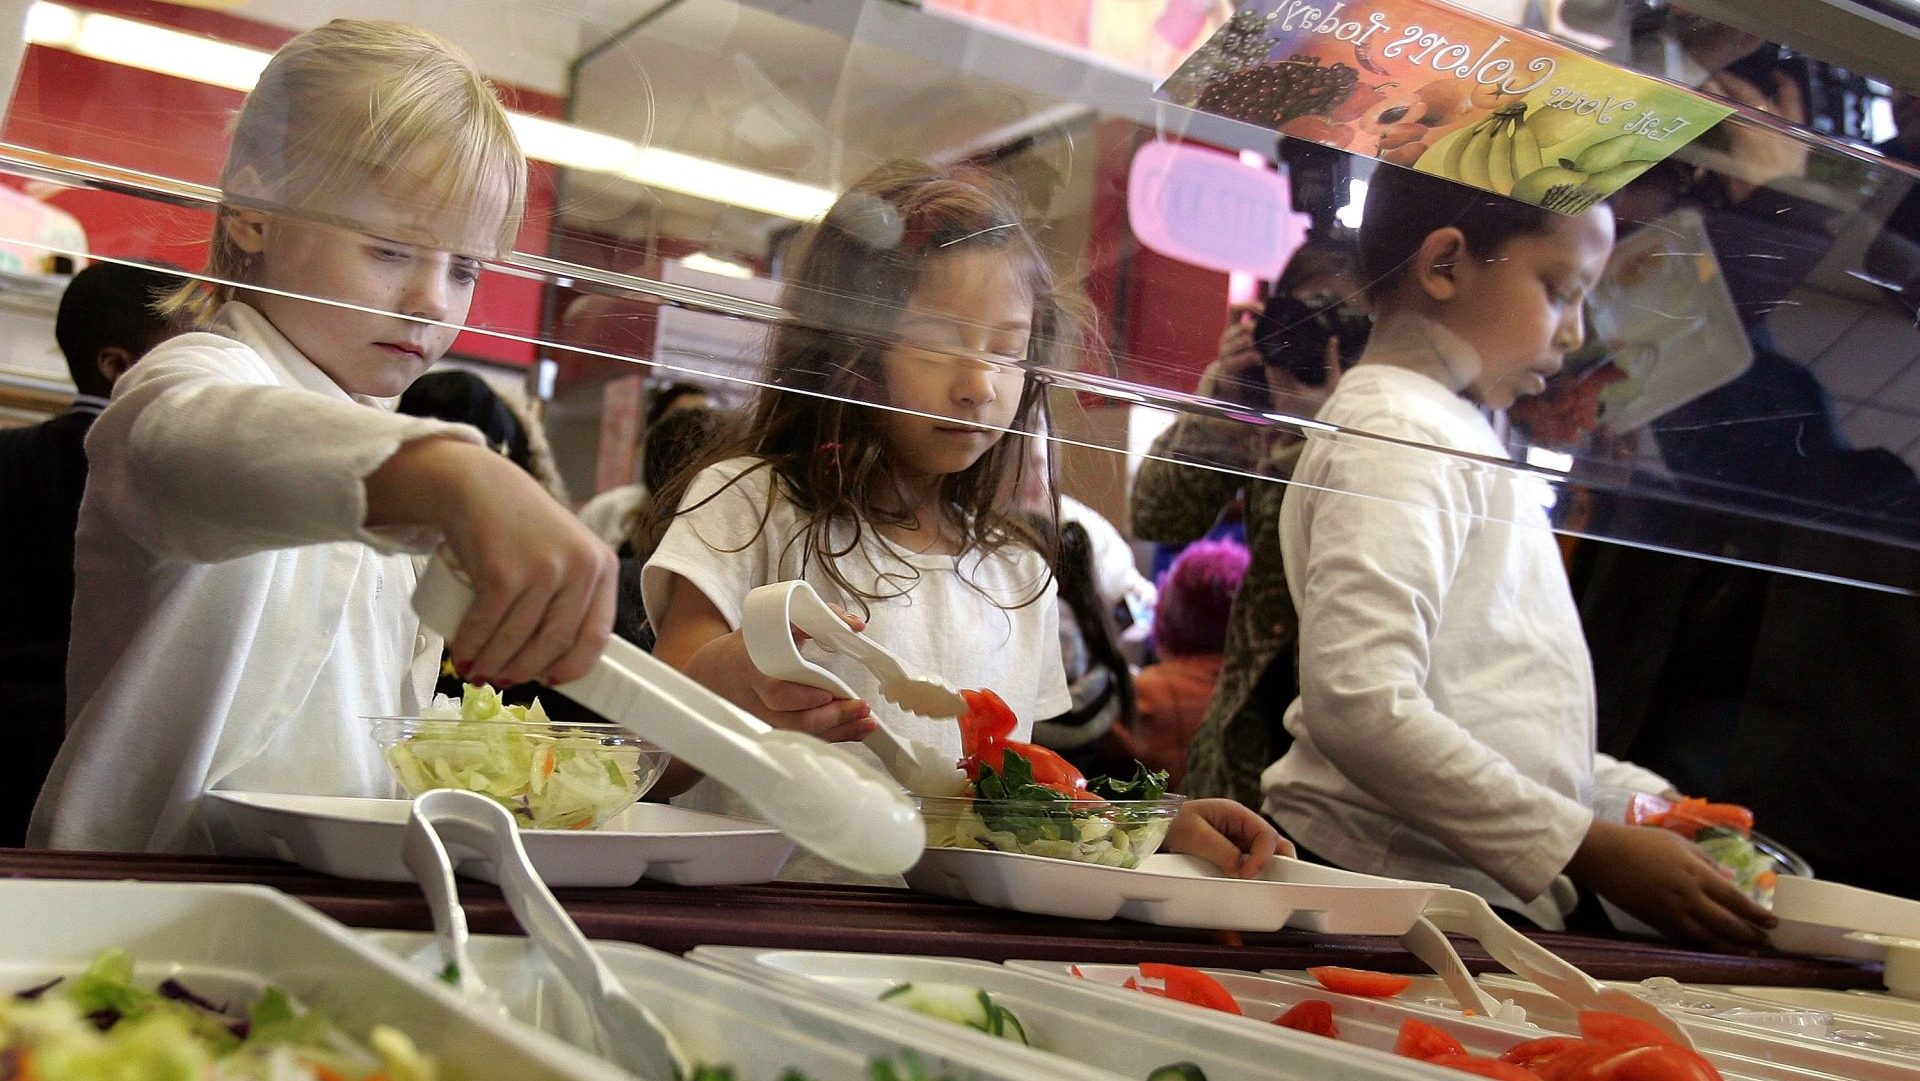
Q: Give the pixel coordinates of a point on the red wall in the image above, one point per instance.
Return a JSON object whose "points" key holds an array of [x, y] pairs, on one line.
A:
{"points": [[1161, 316], [71, 105]]}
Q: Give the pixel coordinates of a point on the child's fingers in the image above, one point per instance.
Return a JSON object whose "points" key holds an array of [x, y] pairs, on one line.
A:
{"points": [[839, 720], [588, 633], [498, 658], [780, 696]]}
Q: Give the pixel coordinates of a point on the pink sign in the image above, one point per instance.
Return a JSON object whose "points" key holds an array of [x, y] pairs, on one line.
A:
{"points": [[1205, 207]]}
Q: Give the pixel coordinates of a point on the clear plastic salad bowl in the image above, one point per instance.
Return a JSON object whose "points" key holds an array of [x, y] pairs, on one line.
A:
{"points": [[1118, 833], [550, 776]]}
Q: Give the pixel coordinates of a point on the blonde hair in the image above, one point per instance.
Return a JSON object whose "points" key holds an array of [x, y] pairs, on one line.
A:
{"points": [[337, 110]]}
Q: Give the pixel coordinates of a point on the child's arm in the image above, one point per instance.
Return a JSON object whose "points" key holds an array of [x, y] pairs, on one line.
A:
{"points": [[543, 583], [1226, 834], [1666, 880], [693, 636]]}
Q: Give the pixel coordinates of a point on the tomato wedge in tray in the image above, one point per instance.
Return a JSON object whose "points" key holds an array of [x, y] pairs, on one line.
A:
{"points": [[1190, 985], [1426, 1042], [1360, 981], [1314, 1015]]}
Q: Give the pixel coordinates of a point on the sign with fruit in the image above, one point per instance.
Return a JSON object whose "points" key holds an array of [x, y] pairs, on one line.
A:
{"points": [[1430, 87]]}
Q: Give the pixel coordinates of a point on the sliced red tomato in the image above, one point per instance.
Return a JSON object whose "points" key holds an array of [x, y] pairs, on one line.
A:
{"points": [[1599, 1026], [1314, 1015], [1425, 1042], [1532, 1053], [1486, 1067], [1049, 769], [1191, 985], [1648, 1062], [988, 719], [1360, 981]]}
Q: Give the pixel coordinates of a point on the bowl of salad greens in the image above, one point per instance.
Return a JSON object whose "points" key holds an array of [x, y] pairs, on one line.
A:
{"points": [[550, 775], [1723, 831], [1116, 822]]}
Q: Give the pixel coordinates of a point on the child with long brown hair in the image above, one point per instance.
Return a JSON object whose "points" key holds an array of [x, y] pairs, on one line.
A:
{"points": [[923, 293]]}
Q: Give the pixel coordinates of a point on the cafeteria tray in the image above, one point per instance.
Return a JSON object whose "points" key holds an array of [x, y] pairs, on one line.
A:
{"points": [[360, 838], [1174, 890]]}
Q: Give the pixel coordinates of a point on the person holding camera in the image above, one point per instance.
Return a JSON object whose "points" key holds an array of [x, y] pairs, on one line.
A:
{"points": [[1283, 357]]}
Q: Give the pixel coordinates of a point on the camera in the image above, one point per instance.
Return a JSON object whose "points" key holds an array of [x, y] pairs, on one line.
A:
{"points": [[1292, 332]]}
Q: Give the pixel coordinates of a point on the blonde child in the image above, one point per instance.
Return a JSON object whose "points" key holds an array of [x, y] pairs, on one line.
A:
{"points": [[921, 291], [1445, 724], [243, 561]]}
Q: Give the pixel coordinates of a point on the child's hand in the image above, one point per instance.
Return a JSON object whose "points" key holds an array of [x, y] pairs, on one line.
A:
{"points": [[543, 583], [1226, 834], [1667, 881], [722, 664]]}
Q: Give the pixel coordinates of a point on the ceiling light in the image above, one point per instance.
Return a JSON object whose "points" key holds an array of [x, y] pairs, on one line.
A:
{"points": [[724, 183], [566, 145], [237, 67], [713, 264]]}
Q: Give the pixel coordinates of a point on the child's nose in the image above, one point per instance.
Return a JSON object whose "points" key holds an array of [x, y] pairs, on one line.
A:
{"points": [[427, 294], [973, 381], [1573, 330]]}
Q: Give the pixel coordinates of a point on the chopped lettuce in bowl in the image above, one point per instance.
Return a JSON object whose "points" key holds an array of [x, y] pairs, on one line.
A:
{"points": [[1008, 812], [549, 775]]}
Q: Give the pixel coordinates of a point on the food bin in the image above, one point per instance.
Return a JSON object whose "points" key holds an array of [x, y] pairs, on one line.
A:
{"points": [[721, 1019], [1068, 1023], [236, 941]]}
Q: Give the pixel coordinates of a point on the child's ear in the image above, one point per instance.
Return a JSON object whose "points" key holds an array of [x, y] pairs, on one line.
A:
{"points": [[1437, 262], [245, 227]]}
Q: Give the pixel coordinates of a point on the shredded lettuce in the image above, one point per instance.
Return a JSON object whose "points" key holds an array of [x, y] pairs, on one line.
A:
{"points": [[548, 779]]}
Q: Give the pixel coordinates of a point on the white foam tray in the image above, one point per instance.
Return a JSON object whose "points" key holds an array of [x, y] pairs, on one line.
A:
{"points": [[360, 838], [720, 1018], [1081, 1024], [1174, 890], [1375, 1022], [1737, 1049], [230, 941]]}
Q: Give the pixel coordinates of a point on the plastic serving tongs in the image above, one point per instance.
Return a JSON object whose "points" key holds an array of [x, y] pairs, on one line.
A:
{"points": [[630, 1036], [821, 796], [767, 620], [1464, 913]]}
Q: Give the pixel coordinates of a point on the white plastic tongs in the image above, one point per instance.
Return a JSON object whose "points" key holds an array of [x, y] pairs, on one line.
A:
{"points": [[471, 824], [1464, 913], [767, 620], [821, 796]]}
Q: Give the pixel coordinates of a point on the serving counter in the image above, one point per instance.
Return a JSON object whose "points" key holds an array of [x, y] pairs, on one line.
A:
{"points": [[874, 919]]}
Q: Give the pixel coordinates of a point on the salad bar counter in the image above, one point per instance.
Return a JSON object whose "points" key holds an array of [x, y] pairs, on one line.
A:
{"points": [[879, 920]]}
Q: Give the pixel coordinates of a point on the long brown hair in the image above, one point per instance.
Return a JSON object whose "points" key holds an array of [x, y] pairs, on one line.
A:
{"points": [[850, 278]]}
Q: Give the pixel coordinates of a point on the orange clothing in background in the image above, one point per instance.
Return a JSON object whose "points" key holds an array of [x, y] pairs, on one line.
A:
{"points": [[1172, 697]]}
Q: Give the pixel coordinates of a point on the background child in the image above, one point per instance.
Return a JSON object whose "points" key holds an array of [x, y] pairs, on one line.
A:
{"points": [[921, 290], [1445, 724], [242, 576], [1190, 636]]}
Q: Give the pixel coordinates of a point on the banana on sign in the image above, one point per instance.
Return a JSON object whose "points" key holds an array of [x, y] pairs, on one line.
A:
{"points": [[1444, 91]]}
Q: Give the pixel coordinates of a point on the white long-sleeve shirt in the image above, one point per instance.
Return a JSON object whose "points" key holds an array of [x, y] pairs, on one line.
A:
{"points": [[1445, 726], [234, 621]]}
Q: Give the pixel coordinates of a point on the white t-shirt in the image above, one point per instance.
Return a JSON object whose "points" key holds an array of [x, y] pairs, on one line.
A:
{"points": [[963, 618], [608, 514], [1446, 694], [233, 620]]}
